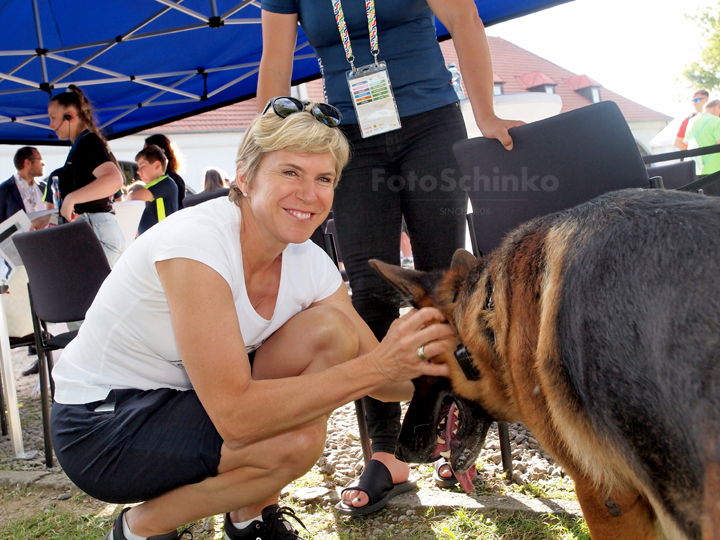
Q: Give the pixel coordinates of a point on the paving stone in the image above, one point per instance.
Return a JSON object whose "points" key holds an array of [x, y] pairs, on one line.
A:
{"points": [[20, 478], [503, 504], [57, 481]]}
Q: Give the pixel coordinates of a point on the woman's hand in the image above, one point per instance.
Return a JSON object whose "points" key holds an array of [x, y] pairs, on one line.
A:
{"points": [[67, 210], [397, 357], [493, 127]]}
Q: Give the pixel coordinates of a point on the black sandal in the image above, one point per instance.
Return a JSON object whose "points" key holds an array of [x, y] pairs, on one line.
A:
{"points": [[376, 482], [441, 481]]}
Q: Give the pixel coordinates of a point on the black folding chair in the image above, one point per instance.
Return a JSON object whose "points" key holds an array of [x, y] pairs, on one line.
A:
{"points": [[708, 184], [197, 198], [66, 266], [556, 163], [675, 175], [325, 239]]}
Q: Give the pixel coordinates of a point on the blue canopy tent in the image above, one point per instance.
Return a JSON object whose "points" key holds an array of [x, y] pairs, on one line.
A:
{"points": [[145, 62]]}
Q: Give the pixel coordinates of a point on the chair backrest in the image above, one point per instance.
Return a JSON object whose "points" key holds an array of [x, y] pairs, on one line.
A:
{"points": [[128, 214], [675, 175], [65, 266], [555, 164], [192, 200]]}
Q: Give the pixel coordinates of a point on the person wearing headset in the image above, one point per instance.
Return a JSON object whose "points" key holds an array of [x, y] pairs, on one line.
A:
{"points": [[90, 176]]}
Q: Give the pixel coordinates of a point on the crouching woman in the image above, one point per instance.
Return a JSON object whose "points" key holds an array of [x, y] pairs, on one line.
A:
{"points": [[207, 367]]}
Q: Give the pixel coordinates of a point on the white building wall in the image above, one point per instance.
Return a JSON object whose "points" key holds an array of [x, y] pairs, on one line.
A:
{"points": [[199, 151], [644, 132], [218, 149]]}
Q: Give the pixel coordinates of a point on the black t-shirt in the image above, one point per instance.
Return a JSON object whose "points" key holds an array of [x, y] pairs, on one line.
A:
{"points": [[180, 185], [164, 203], [89, 153]]}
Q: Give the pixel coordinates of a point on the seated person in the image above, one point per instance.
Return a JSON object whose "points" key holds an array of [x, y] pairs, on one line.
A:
{"points": [[160, 192], [214, 180], [225, 360]]}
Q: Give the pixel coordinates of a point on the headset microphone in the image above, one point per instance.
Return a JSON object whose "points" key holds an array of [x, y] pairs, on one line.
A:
{"points": [[66, 118]]}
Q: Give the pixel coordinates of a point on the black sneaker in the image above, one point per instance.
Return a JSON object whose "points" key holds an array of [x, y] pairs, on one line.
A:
{"points": [[34, 369], [117, 531], [274, 526]]}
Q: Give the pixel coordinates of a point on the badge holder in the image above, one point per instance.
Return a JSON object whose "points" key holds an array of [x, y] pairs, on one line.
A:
{"points": [[373, 99]]}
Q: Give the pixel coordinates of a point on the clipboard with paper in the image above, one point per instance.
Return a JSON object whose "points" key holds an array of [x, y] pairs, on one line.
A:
{"points": [[18, 222]]}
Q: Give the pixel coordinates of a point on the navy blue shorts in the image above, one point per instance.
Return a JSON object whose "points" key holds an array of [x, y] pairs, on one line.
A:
{"points": [[154, 441]]}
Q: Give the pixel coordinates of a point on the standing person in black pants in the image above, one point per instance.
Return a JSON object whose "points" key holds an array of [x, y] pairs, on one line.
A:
{"points": [[173, 164], [91, 176], [401, 134]]}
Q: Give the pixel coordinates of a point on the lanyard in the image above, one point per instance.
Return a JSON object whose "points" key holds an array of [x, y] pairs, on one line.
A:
{"points": [[27, 192], [75, 144], [345, 37]]}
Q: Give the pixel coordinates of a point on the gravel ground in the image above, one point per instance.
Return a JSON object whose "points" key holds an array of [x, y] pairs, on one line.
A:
{"points": [[340, 464], [30, 418], [342, 461]]}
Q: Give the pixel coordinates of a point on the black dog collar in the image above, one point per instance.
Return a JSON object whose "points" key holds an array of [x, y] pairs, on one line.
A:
{"points": [[471, 373]]}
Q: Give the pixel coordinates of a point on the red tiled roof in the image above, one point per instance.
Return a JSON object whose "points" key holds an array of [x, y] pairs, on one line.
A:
{"points": [[234, 117], [536, 78], [511, 65], [578, 82], [511, 61]]}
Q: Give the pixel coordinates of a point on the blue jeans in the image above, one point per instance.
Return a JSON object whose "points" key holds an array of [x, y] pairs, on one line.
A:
{"points": [[409, 173], [106, 228]]}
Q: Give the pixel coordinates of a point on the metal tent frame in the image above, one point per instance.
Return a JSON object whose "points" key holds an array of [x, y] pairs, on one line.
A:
{"points": [[145, 62]]}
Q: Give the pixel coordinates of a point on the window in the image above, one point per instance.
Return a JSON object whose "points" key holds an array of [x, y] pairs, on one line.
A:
{"points": [[544, 88], [498, 89]]}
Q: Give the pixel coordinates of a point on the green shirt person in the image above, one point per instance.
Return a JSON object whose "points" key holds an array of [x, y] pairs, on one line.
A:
{"points": [[702, 131]]}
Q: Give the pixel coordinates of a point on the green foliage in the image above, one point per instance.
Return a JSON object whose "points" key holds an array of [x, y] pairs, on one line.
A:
{"points": [[705, 72]]}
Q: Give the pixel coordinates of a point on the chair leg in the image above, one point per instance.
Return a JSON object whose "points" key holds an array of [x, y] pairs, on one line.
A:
{"points": [[3, 418], [50, 364], [45, 403], [362, 427], [331, 250], [504, 436], [503, 432], [45, 378]]}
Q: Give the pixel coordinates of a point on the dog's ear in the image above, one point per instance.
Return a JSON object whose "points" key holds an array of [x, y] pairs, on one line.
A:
{"points": [[463, 260], [409, 282]]}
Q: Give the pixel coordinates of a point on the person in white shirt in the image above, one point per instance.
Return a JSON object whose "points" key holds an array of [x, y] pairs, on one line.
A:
{"points": [[225, 338], [21, 191]]}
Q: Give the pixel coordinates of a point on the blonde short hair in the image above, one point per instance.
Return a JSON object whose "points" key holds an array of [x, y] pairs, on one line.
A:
{"points": [[300, 132]]}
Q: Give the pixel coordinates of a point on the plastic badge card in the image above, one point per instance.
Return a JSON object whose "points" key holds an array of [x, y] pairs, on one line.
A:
{"points": [[373, 99]]}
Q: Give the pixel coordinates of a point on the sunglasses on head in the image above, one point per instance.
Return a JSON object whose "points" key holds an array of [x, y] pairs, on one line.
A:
{"points": [[284, 106]]}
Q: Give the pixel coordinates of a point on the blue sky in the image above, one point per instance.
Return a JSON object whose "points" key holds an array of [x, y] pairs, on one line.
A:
{"points": [[636, 48]]}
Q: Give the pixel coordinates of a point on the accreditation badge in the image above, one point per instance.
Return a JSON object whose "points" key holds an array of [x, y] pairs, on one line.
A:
{"points": [[373, 99]]}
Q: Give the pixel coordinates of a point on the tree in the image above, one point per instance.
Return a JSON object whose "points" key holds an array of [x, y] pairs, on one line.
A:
{"points": [[705, 73]]}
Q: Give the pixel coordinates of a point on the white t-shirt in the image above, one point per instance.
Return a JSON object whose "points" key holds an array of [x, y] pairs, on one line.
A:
{"points": [[127, 339], [31, 196]]}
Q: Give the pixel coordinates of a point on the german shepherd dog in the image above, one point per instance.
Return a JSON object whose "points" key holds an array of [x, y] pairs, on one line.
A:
{"points": [[599, 329]]}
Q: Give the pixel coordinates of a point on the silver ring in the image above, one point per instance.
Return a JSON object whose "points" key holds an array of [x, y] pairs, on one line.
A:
{"points": [[421, 353]]}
